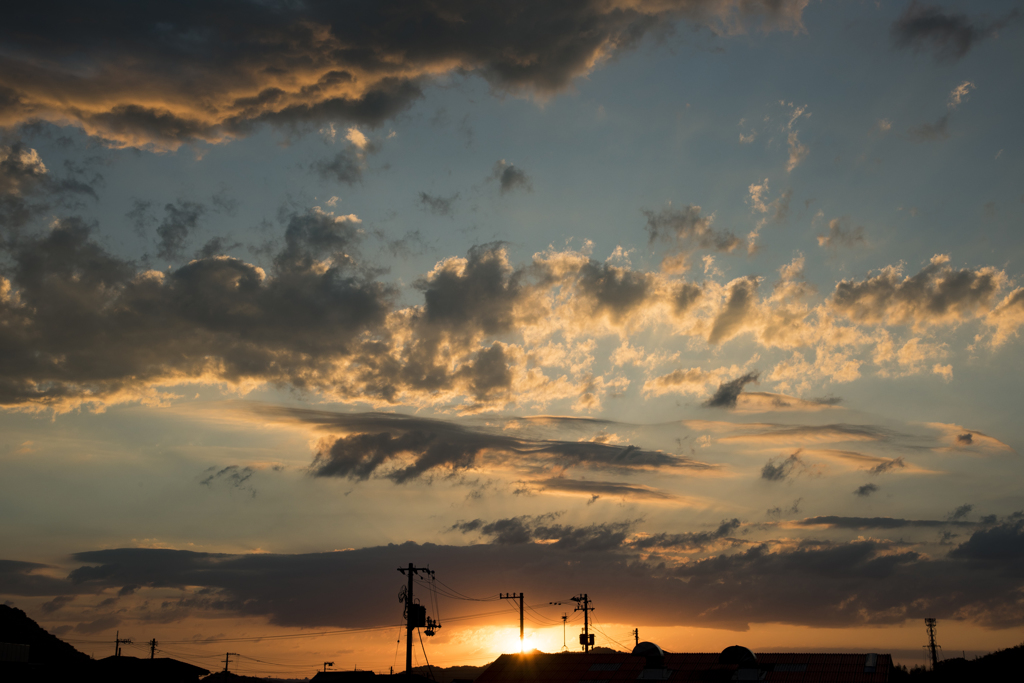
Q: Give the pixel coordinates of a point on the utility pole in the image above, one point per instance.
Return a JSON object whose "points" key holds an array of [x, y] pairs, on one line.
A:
{"points": [[636, 636], [512, 596], [930, 623], [583, 604], [415, 615], [118, 640], [227, 659], [152, 648]]}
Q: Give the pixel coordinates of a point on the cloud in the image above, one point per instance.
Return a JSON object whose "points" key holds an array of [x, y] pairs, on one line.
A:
{"points": [[58, 602], [841, 235], [180, 220], [28, 189], [931, 132], [950, 36], [212, 320], [825, 584], [698, 540], [532, 529], [344, 167], [736, 316], [1000, 543], [866, 490], [312, 63], [937, 295], [959, 94], [888, 466], [785, 467], [510, 178], [403, 448], [441, 206], [612, 489], [961, 512], [862, 523], [728, 392], [797, 151], [687, 228], [24, 579]]}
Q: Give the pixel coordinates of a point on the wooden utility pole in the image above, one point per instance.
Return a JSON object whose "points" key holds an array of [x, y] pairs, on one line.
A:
{"points": [[227, 659], [583, 604], [118, 640], [415, 615], [512, 596], [152, 648]]}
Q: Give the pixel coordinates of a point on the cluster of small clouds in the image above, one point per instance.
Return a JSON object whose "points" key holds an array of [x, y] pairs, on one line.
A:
{"points": [[487, 334]]}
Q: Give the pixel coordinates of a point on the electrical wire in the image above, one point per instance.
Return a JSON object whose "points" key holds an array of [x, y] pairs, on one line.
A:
{"points": [[429, 670]]}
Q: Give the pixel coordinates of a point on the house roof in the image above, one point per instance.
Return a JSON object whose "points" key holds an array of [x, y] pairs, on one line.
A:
{"points": [[802, 667]]}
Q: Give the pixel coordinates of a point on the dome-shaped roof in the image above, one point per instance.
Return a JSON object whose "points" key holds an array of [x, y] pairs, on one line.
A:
{"points": [[646, 649], [737, 654]]}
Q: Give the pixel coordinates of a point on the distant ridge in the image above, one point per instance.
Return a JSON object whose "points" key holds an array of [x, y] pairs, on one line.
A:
{"points": [[44, 648]]}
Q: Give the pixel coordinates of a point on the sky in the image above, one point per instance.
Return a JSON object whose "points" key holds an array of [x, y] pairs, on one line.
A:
{"points": [[708, 309]]}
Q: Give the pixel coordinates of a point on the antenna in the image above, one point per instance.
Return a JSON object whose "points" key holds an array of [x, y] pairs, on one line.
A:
{"points": [[327, 664], [932, 647], [512, 596]]}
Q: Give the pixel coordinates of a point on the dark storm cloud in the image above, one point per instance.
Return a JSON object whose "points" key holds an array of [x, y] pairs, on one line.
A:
{"points": [[166, 73], [510, 178], [727, 393], [343, 167], [687, 228], [694, 540], [374, 440], [217, 319], [950, 35], [179, 221], [441, 206], [815, 584], [937, 294]]}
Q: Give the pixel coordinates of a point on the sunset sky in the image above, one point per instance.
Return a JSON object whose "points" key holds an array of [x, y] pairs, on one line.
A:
{"points": [[710, 309]]}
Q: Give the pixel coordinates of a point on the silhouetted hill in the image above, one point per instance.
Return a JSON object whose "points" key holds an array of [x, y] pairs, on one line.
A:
{"points": [[17, 627]]}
